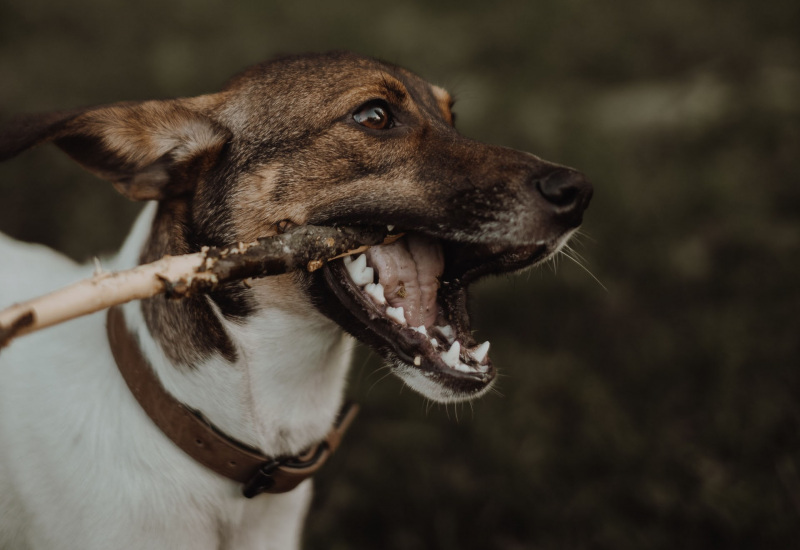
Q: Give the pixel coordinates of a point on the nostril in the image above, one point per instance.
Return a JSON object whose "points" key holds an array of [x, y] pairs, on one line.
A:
{"points": [[563, 187]]}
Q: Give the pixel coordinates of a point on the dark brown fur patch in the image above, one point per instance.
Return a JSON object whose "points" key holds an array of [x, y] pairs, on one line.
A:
{"points": [[187, 329]]}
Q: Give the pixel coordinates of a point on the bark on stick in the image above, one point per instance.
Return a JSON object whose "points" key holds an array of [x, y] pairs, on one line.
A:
{"points": [[304, 247]]}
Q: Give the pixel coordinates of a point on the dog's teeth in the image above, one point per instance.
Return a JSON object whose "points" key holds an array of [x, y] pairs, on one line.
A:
{"points": [[396, 314], [450, 357], [375, 291], [361, 261], [448, 332], [421, 329], [434, 342], [459, 366], [359, 272], [353, 267], [363, 277], [418, 360], [390, 227], [479, 353]]}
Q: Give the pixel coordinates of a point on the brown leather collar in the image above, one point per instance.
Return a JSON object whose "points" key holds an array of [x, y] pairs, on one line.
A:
{"points": [[201, 440]]}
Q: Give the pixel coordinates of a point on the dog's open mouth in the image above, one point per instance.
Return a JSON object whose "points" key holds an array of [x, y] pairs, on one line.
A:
{"points": [[408, 299]]}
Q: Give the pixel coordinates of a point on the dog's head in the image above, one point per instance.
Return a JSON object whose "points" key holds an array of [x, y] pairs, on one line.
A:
{"points": [[337, 139]]}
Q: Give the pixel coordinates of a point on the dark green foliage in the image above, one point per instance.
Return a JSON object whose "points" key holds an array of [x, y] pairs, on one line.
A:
{"points": [[661, 413]]}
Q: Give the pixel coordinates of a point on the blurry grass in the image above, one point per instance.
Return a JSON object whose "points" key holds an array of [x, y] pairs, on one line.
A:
{"points": [[660, 413]]}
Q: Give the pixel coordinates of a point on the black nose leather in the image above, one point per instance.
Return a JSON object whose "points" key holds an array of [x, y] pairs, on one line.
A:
{"points": [[565, 189]]}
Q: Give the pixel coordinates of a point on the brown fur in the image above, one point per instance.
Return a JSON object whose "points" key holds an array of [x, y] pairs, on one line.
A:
{"points": [[280, 143], [445, 104]]}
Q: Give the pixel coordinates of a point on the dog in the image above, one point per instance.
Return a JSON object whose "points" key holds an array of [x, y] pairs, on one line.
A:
{"points": [[332, 139]]}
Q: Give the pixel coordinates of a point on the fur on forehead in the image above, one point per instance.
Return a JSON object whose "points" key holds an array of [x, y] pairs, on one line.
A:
{"points": [[329, 84]]}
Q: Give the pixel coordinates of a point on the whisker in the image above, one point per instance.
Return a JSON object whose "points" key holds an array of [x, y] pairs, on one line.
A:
{"points": [[576, 237], [382, 378], [575, 253], [583, 267], [376, 371], [553, 261], [583, 235]]}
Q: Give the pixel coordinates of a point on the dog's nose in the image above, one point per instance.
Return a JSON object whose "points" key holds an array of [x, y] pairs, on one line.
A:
{"points": [[567, 190]]}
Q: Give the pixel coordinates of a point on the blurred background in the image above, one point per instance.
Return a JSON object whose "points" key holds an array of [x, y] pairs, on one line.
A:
{"points": [[658, 409]]}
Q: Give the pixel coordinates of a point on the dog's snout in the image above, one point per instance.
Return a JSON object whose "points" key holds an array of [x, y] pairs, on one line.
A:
{"points": [[567, 190]]}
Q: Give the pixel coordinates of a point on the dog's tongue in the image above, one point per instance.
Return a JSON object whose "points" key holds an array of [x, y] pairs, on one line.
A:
{"points": [[409, 269]]}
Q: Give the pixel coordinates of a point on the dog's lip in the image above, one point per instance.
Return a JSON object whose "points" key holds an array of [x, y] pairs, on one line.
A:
{"points": [[406, 344], [469, 262]]}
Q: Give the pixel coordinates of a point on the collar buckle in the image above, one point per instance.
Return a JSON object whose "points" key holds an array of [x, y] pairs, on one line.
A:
{"points": [[262, 481]]}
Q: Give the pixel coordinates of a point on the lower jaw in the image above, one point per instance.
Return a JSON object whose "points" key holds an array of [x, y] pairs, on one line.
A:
{"points": [[421, 369], [423, 372], [442, 391]]}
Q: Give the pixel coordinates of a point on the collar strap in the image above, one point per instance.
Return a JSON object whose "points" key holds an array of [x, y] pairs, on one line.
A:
{"points": [[204, 442]]}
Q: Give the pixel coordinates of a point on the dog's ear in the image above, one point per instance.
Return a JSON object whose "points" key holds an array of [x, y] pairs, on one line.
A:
{"points": [[149, 150]]}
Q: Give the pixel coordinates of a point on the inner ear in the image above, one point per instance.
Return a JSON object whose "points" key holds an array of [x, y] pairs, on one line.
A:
{"points": [[150, 151], [154, 182]]}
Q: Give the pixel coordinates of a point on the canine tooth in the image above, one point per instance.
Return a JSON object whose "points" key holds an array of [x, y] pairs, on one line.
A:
{"points": [[450, 357], [448, 332], [363, 277], [421, 329], [434, 342], [479, 353], [353, 268], [418, 360], [375, 291], [459, 366], [390, 227], [396, 314], [359, 272], [368, 275]]}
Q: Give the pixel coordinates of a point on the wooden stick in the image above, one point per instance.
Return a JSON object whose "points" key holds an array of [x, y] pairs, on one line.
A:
{"points": [[304, 247]]}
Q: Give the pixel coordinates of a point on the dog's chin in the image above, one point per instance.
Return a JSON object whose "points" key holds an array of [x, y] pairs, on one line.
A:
{"points": [[418, 319]]}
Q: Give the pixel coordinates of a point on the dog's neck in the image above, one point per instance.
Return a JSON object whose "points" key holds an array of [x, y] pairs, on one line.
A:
{"points": [[272, 378]]}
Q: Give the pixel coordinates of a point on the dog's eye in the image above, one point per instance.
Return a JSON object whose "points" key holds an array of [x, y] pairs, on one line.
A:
{"points": [[374, 115]]}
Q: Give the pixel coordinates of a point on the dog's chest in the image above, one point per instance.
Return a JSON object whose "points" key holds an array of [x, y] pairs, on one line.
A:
{"points": [[81, 462]]}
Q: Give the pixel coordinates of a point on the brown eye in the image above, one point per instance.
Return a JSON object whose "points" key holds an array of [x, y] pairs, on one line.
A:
{"points": [[374, 115]]}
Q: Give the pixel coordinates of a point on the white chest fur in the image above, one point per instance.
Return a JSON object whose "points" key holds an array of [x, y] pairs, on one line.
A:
{"points": [[81, 465]]}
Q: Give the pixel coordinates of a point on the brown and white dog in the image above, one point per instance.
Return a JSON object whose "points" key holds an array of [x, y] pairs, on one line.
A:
{"points": [[334, 139]]}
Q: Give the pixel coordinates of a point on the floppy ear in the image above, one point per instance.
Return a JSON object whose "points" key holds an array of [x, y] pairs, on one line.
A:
{"points": [[149, 150]]}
